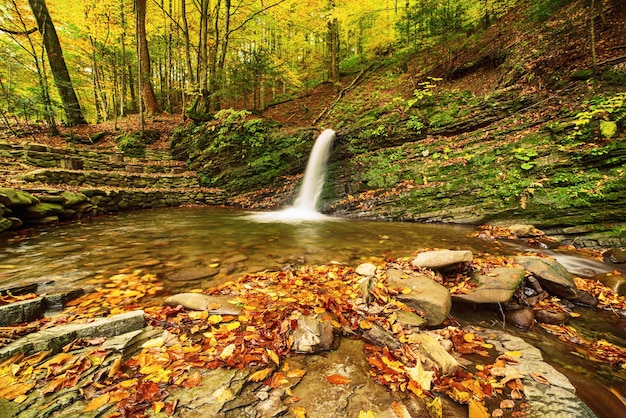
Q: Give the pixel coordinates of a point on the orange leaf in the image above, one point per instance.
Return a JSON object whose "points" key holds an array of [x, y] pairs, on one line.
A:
{"points": [[337, 379], [97, 403]]}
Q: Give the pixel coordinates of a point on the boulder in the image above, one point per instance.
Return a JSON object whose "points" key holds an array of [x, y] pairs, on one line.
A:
{"points": [[219, 305], [12, 198], [497, 286], [441, 258], [312, 335], [524, 231], [523, 318], [615, 256], [422, 293], [551, 274], [42, 210], [614, 281], [551, 317], [5, 224], [432, 349], [366, 269]]}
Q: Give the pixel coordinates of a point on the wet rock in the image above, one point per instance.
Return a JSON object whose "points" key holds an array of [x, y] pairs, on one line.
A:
{"points": [[366, 269], [235, 258], [381, 337], [219, 305], [431, 348], [5, 224], [57, 300], [53, 339], [521, 318], [410, 319], [497, 286], [585, 299], [23, 311], [615, 255], [312, 335], [525, 231], [614, 281], [550, 317], [422, 293], [441, 258], [552, 275]]}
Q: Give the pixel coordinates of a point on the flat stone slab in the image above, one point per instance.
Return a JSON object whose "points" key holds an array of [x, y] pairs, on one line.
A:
{"points": [[441, 258], [497, 286], [552, 275], [53, 339], [422, 293], [23, 311]]}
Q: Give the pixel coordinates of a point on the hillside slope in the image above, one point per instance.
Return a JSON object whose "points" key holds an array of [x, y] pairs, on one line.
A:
{"points": [[511, 125]]}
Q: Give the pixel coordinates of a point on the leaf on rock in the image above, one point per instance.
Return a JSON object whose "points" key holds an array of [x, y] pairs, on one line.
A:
{"points": [[261, 375], [338, 379], [97, 403]]}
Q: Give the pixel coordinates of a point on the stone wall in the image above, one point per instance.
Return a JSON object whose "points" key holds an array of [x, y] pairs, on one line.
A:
{"points": [[111, 179], [39, 207]]}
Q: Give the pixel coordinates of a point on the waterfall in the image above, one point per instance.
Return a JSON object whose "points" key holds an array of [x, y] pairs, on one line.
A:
{"points": [[305, 205], [315, 171]]}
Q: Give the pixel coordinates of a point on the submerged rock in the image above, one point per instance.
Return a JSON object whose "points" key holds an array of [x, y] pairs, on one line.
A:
{"points": [[551, 274], [551, 317], [521, 318], [312, 335], [441, 258]]}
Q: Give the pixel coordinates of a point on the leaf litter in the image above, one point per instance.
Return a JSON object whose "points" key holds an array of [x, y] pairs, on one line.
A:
{"points": [[261, 337]]}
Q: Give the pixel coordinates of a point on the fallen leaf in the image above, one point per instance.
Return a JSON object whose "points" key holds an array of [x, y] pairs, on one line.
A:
{"points": [[261, 375], [400, 410], [540, 378], [477, 409], [298, 411], [97, 403], [338, 379]]}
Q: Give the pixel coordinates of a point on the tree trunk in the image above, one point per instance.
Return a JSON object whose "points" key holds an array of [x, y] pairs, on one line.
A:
{"points": [[151, 105], [58, 67], [333, 51]]}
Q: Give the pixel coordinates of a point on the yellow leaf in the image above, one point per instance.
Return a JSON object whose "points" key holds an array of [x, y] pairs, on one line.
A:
{"points": [[228, 351], [214, 319], [97, 403], [153, 368], [198, 315], [513, 353], [153, 343], [298, 411], [366, 414], [406, 291], [260, 375], [125, 384], [158, 406], [365, 324], [272, 354], [477, 410], [232, 325], [469, 337], [435, 409], [296, 373]]}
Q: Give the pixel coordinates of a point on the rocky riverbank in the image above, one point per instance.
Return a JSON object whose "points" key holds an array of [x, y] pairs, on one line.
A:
{"points": [[376, 339]]}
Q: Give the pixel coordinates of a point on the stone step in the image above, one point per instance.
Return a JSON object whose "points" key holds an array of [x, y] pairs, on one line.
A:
{"points": [[111, 179]]}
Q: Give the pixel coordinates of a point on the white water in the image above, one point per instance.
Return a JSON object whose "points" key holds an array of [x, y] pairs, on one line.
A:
{"points": [[305, 205]]}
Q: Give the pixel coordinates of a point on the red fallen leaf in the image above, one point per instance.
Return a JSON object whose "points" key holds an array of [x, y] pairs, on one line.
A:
{"points": [[146, 391], [170, 407], [337, 379]]}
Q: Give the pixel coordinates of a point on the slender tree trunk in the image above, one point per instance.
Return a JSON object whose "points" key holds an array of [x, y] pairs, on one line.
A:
{"points": [[124, 76], [333, 50], [58, 67], [592, 30], [145, 85]]}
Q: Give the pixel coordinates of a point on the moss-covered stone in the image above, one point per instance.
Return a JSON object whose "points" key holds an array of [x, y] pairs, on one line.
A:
{"points": [[12, 198]]}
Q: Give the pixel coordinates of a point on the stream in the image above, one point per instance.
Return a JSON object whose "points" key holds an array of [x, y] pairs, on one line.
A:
{"points": [[191, 248]]}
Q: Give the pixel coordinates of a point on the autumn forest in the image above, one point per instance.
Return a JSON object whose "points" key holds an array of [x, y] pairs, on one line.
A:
{"points": [[201, 55]]}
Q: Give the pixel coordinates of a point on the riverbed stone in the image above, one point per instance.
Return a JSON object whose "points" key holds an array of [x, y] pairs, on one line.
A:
{"points": [[615, 255], [366, 269], [22, 311], [214, 304], [53, 339], [312, 335], [551, 274], [614, 281], [422, 293], [523, 318], [430, 346], [524, 231], [12, 198], [5, 224], [497, 286], [441, 258]]}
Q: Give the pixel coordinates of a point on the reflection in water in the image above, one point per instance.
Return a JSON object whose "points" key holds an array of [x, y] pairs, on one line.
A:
{"points": [[190, 248]]}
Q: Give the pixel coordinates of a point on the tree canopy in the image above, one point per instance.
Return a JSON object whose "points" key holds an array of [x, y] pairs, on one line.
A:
{"points": [[208, 54]]}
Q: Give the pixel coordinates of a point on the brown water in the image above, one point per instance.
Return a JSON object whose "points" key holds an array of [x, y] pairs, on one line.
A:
{"points": [[197, 247]]}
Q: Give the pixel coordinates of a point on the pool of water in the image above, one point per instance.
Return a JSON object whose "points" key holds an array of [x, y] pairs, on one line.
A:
{"points": [[192, 248]]}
